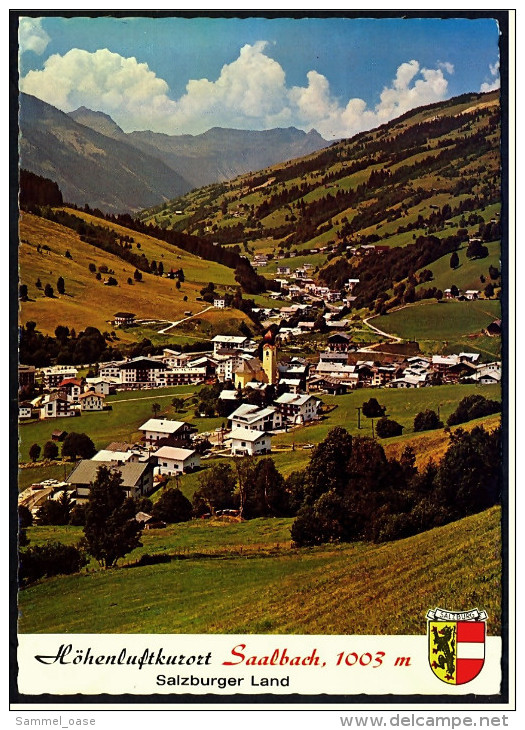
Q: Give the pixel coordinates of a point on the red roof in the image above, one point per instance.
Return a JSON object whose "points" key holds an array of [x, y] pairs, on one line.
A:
{"points": [[70, 381]]}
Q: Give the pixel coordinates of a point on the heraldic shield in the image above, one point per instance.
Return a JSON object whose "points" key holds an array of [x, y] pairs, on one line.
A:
{"points": [[456, 644]]}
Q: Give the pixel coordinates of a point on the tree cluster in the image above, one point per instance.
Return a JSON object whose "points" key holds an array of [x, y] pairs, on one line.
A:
{"points": [[352, 491]]}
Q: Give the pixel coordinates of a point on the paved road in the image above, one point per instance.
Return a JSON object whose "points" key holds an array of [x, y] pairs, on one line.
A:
{"points": [[394, 338], [164, 331]]}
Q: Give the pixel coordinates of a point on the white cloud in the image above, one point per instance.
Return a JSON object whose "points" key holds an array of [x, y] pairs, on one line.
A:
{"points": [[104, 81], [495, 83], [446, 66], [31, 35], [249, 93]]}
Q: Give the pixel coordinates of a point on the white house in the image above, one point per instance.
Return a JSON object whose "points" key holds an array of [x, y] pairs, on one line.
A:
{"points": [[219, 303], [297, 408], [173, 460], [168, 432], [57, 405], [91, 401], [110, 370], [55, 374], [247, 441], [229, 342], [141, 371], [255, 418], [103, 386], [24, 410]]}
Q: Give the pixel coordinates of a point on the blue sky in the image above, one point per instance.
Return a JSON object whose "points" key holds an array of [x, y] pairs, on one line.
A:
{"points": [[182, 75]]}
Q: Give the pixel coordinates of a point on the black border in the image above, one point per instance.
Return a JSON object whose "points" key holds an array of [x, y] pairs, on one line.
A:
{"points": [[288, 701]]}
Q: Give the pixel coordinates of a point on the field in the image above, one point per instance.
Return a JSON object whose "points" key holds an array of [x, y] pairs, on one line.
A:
{"points": [[401, 405], [129, 411], [467, 274], [271, 588], [88, 302], [447, 326]]}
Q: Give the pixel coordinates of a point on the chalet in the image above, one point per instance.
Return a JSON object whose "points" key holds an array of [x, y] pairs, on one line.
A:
{"points": [[71, 388], [333, 386], [149, 522], [25, 410], [339, 342], [227, 364], [255, 418], [137, 478], [110, 370], [164, 432], [296, 371], [57, 405], [246, 441], [119, 457], [334, 356], [140, 372], [229, 342], [441, 363], [103, 386], [121, 319], [232, 396], [91, 401], [383, 374], [183, 376], [494, 328], [55, 374], [472, 294], [171, 460], [293, 385], [297, 408], [219, 303], [408, 380]]}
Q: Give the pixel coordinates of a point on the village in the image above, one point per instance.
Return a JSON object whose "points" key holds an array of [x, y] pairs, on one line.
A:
{"points": [[285, 390]]}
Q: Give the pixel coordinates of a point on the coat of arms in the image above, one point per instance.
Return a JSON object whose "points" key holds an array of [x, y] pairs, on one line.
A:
{"points": [[456, 644]]}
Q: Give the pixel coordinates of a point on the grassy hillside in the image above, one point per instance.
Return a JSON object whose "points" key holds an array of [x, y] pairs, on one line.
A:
{"points": [[88, 302], [447, 326], [466, 275], [260, 585]]}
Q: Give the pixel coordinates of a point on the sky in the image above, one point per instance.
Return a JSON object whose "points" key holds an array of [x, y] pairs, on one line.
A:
{"points": [[180, 75]]}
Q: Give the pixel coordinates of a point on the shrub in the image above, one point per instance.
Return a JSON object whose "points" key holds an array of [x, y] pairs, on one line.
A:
{"points": [[426, 421], [34, 452], [372, 409], [172, 506], [386, 427], [473, 406], [50, 450], [43, 561]]}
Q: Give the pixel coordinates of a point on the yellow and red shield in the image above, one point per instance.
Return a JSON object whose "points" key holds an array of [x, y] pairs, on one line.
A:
{"points": [[456, 645]]}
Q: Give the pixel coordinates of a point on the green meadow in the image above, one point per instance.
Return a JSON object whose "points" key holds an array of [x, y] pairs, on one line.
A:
{"points": [[271, 588], [445, 326]]}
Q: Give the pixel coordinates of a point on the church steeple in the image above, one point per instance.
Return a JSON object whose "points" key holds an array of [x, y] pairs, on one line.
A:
{"points": [[270, 357]]}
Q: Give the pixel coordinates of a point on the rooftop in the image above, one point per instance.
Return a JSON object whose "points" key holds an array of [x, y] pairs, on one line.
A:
{"points": [[162, 425]]}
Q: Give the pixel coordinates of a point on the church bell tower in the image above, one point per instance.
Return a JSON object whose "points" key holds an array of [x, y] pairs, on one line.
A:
{"points": [[270, 357]]}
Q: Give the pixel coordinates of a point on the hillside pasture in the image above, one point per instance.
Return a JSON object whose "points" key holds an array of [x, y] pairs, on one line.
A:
{"points": [[88, 302], [334, 589], [447, 324]]}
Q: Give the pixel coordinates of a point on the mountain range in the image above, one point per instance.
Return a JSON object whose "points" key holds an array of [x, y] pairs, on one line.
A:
{"points": [[95, 162]]}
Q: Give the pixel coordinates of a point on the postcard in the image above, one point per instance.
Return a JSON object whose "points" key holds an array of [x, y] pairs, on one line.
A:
{"points": [[264, 418]]}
